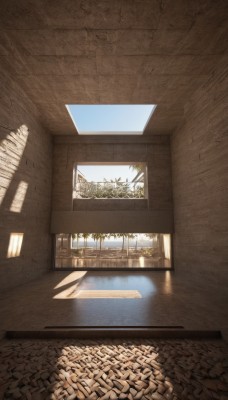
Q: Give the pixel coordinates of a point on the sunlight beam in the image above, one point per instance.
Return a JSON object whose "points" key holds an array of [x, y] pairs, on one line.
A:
{"points": [[15, 244], [19, 197], [10, 156]]}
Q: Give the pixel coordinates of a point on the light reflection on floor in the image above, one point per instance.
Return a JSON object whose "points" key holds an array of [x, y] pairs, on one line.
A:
{"points": [[168, 289], [142, 262], [166, 300]]}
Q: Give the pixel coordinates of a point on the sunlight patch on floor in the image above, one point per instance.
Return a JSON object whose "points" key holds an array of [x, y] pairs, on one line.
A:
{"points": [[108, 294], [71, 293], [73, 277], [68, 293]]}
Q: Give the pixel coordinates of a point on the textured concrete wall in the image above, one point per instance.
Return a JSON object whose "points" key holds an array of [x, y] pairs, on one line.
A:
{"points": [[109, 204], [112, 221], [200, 188], [25, 188], [155, 151]]}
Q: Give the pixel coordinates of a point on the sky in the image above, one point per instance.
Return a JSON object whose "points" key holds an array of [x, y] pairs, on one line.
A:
{"points": [[110, 118], [97, 173]]}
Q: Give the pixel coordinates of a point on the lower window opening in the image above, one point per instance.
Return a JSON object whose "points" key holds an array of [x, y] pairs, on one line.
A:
{"points": [[109, 250]]}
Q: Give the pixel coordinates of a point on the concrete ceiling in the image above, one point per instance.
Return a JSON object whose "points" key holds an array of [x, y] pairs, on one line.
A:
{"points": [[120, 51]]}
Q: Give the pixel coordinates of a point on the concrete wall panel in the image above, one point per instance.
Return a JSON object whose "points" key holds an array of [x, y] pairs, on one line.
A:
{"points": [[200, 187], [112, 221], [25, 189], [154, 151]]}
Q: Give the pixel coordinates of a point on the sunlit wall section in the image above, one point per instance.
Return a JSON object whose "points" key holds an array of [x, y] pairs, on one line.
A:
{"points": [[25, 188], [19, 197], [10, 155]]}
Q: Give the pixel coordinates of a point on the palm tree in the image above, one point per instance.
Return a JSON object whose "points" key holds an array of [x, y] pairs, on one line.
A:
{"points": [[151, 236], [129, 236], [122, 235], [85, 237], [137, 167], [102, 237], [95, 237], [73, 235], [136, 243], [114, 236], [139, 179], [76, 235]]}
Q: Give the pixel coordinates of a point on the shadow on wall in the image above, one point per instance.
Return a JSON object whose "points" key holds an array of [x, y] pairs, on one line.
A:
{"points": [[24, 203], [13, 190], [112, 369]]}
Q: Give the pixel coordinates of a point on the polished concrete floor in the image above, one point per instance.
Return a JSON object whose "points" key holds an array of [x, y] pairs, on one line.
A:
{"points": [[165, 301]]}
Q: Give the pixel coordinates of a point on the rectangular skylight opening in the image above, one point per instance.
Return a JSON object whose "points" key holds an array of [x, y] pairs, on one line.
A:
{"points": [[110, 119]]}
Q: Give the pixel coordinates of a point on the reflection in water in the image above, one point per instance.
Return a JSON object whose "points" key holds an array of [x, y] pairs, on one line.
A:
{"points": [[168, 283]]}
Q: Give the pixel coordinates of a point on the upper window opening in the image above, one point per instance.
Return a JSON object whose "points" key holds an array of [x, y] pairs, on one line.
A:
{"points": [[103, 119], [109, 181]]}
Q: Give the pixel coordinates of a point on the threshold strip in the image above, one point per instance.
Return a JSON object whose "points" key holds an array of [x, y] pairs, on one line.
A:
{"points": [[114, 333]]}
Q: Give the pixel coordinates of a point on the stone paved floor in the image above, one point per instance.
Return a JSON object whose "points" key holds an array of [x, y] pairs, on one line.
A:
{"points": [[142, 369]]}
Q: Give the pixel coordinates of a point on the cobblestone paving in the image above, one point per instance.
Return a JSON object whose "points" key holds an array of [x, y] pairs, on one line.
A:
{"points": [[145, 369]]}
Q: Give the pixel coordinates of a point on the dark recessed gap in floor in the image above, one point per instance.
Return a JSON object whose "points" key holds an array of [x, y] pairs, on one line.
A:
{"points": [[113, 327], [114, 333]]}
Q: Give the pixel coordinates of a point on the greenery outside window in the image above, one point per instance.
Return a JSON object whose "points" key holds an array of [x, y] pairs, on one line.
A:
{"points": [[110, 181]]}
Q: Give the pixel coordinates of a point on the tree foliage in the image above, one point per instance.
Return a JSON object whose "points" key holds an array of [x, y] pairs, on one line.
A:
{"points": [[114, 189]]}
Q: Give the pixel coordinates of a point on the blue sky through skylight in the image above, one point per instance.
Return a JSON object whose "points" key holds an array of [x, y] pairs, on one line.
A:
{"points": [[110, 119]]}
